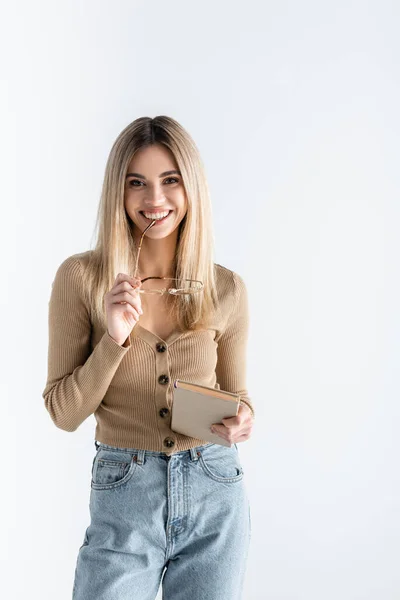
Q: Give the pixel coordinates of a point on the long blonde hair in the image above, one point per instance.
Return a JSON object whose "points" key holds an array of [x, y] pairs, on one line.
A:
{"points": [[115, 250]]}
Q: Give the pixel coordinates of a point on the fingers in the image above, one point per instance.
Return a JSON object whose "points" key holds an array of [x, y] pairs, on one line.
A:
{"points": [[231, 434], [125, 291], [129, 308], [124, 277], [125, 294]]}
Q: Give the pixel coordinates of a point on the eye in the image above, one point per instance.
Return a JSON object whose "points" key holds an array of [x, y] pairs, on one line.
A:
{"points": [[133, 181]]}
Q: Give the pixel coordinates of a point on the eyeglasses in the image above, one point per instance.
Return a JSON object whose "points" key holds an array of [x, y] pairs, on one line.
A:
{"points": [[176, 287]]}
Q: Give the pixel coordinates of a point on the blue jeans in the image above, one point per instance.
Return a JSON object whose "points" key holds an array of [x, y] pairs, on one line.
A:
{"points": [[183, 518]]}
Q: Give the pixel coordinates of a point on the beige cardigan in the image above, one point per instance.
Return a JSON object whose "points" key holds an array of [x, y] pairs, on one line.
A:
{"points": [[129, 389]]}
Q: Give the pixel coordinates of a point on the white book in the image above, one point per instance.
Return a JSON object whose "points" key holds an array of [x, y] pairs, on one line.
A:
{"points": [[196, 407]]}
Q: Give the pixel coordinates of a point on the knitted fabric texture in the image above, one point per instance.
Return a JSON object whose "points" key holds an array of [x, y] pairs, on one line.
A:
{"points": [[126, 388]]}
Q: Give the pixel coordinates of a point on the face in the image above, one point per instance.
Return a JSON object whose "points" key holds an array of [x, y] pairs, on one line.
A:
{"points": [[154, 185]]}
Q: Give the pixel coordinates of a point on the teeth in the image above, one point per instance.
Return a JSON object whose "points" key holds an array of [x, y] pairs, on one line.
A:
{"points": [[156, 216]]}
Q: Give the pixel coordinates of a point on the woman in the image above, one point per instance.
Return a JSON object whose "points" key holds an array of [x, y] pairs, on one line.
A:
{"points": [[161, 503]]}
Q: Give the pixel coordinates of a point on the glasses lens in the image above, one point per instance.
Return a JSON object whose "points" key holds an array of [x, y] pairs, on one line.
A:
{"points": [[172, 286]]}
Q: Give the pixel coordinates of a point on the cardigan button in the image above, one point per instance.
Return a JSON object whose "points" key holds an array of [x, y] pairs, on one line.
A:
{"points": [[163, 412], [161, 347], [169, 442], [163, 379]]}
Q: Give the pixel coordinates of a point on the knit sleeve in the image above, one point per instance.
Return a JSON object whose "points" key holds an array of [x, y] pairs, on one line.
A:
{"points": [[77, 378], [232, 346]]}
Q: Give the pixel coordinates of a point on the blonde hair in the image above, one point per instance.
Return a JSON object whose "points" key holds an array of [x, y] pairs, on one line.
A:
{"points": [[115, 250]]}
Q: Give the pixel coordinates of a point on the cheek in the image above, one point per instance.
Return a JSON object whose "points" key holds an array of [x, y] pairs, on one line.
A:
{"points": [[130, 208], [130, 201]]}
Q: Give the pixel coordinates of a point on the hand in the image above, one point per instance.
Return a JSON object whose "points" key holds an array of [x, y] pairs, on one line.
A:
{"points": [[235, 429], [123, 307]]}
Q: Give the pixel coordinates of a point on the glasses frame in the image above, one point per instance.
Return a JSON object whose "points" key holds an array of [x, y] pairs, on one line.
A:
{"points": [[171, 290]]}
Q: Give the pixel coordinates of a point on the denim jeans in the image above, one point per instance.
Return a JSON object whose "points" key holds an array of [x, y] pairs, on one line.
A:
{"points": [[182, 518]]}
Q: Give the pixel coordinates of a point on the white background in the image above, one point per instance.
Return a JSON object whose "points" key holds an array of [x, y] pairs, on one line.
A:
{"points": [[295, 109]]}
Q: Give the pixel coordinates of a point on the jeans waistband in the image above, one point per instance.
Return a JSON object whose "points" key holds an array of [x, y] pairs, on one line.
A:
{"points": [[141, 453]]}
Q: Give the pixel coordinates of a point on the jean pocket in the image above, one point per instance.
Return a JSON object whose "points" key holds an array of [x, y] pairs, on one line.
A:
{"points": [[112, 469], [221, 463]]}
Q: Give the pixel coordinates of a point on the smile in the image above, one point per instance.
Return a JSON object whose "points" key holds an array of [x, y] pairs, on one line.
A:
{"points": [[159, 217]]}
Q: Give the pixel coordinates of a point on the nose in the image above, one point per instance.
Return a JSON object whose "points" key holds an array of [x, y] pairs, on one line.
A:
{"points": [[155, 196]]}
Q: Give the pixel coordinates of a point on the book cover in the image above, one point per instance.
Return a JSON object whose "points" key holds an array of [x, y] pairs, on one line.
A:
{"points": [[196, 407]]}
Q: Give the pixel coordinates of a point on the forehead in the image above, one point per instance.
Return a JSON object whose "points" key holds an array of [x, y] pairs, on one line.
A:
{"points": [[152, 160]]}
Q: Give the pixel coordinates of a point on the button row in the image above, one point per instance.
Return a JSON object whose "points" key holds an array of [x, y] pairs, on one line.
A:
{"points": [[163, 380]]}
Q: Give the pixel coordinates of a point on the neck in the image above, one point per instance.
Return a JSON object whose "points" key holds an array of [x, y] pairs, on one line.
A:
{"points": [[157, 256]]}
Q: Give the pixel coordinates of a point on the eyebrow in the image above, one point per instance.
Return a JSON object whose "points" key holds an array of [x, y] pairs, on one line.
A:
{"points": [[161, 175]]}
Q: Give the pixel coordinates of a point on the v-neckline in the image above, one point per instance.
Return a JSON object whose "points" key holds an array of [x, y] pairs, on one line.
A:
{"points": [[151, 337]]}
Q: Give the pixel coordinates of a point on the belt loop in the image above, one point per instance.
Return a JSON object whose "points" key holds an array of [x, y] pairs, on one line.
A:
{"points": [[194, 453], [140, 456], [96, 443]]}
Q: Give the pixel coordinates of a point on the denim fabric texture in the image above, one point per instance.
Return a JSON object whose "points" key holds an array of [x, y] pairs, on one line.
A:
{"points": [[180, 520]]}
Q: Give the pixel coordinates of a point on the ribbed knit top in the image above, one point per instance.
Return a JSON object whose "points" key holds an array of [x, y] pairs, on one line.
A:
{"points": [[128, 389]]}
